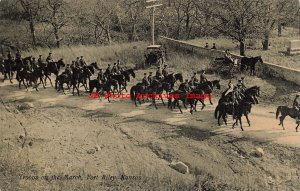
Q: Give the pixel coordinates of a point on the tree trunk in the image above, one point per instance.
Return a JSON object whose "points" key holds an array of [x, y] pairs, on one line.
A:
{"points": [[108, 36], [32, 31], [266, 42], [132, 37], [279, 30], [242, 48], [57, 37]]}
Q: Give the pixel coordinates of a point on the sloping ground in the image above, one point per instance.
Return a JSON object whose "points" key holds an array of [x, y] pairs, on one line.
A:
{"points": [[47, 133]]}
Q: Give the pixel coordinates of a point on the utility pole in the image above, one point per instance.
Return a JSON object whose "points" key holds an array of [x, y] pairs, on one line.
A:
{"points": [[153, 4]]}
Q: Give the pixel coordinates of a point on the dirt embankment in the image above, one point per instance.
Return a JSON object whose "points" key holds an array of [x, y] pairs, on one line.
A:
{"points": [[45, 133]]}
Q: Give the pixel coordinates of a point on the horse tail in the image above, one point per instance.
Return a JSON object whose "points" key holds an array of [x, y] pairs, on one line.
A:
{"points": [[132, 93], [278, 111], [216, 111]]}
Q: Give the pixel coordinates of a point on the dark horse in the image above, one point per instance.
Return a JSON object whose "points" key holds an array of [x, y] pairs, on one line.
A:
{"points": [[250, 63], [286, 111], [236, 110], [208, 87], [140, 91], [123, 78], [171, 79], [53, 68], [105, 87]]}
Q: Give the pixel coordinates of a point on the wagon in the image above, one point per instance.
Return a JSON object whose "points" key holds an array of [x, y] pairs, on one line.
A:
{"points": [[154, 55]]}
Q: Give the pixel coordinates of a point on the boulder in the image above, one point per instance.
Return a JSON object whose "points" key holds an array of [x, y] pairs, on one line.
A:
{"points": [[258, 152], [180, 167]]}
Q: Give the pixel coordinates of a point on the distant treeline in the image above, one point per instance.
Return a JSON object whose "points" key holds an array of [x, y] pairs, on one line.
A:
{"points": [[53, 23]]}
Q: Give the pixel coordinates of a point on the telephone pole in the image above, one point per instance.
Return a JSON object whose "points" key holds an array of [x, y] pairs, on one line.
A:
{"points": [[153, 4]]}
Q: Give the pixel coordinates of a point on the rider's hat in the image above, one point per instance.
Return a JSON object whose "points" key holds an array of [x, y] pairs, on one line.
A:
{"points": [[40, 55], [165, 65], [186, 80], [81, 56], [158, 66], [297, 95], [108, 65], [242, 78], [195, 73], [150, 72], [202, 70], [50, 52], [145, 74]]}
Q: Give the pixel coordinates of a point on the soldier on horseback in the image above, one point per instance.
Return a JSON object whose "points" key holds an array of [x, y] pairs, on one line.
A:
{"points": [[101, 76], [77, 63], [164, 71], [10, 57], [296, 104], [18, 55], [203, 77], [193, 79], [185, 87], [158, 73], [229, 89], [82, 61], [145, 80], [108, 70], [49, 58], [150, 78], [114, 69]]}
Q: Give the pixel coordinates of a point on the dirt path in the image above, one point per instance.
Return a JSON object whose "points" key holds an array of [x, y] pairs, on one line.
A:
{"points": [[142, 141]]}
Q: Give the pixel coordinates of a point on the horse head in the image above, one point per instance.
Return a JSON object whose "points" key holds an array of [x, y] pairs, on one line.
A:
{"points": [[217, 84], [95, 65], [260, 59], [131, 71], [179, 77], [60, 63]]}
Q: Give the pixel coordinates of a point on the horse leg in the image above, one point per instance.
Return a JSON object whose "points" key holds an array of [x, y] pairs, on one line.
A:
{"points": [[42, 81], [297, 127], [203, 104], [248, 121], [153, 100], [162, 100], [25, 84], [240, 119], [219, 116], [36, 85], [209, 97], [179, 106], [195, 108], [281, 118]]}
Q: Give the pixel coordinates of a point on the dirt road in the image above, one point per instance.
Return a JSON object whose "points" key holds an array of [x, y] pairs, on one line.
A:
{"points": [[65, 134]]}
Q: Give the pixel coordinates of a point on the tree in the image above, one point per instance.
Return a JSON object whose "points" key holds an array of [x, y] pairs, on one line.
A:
{"points": [[56, 17], [134, 10], [237, 19], [32, 13]]}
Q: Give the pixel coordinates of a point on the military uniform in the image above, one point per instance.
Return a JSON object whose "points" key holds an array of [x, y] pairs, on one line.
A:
{"points": [[164, 71], [296, 103], [203, 77], [150, 78], [108, 69], [49, 58], [158, 73], [101, 76], [145, 80], [82, 61], [114, 69], [184, 86], [77, 63], [9, 57], [18, 55], [193, 79]]}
